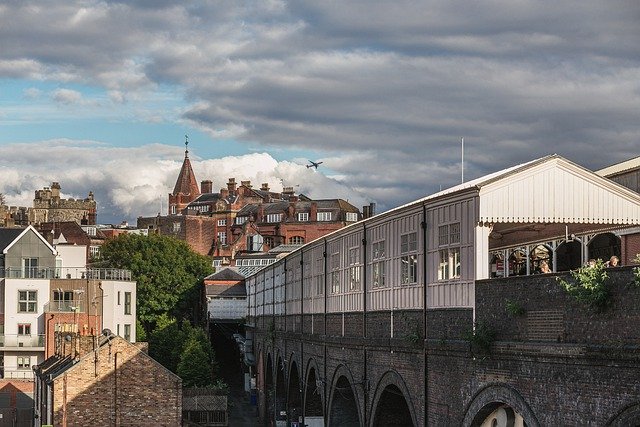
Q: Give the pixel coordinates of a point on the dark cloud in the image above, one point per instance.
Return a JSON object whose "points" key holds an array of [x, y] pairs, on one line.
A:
{"points": [[384, 90]]}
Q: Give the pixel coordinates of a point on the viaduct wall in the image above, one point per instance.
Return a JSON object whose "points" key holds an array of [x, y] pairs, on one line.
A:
{"points": [[552, 362]]}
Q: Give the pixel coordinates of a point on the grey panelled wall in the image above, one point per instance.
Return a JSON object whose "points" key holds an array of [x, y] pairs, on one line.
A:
{"points": [[453, 292], [30, 246]]}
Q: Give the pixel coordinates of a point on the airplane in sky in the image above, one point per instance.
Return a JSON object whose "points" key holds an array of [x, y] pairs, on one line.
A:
{"points": [[313, 164]]}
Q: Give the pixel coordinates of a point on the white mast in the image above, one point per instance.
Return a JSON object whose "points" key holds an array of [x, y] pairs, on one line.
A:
{"points": [[462, 139]]}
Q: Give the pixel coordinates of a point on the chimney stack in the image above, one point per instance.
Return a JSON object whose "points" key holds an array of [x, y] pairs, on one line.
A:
{"points": [[246, 183], [206, 186], [231, 185], [265, 186]]}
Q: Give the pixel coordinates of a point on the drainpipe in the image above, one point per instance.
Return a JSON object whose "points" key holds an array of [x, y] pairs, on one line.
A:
{"points": [[425, 244], [300, 377], [324, 382], [365, 383], [115, 391]]}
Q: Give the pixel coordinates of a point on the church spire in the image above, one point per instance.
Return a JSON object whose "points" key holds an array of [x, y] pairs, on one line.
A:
{"points": [[186, 189]]}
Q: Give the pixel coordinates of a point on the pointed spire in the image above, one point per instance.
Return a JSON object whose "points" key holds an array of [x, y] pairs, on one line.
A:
{"points": [[186, 184]]}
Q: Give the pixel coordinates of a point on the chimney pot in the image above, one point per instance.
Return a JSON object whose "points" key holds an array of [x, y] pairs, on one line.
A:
{"points": [[206, 186]]}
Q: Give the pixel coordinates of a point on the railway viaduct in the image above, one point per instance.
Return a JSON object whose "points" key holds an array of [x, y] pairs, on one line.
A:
{"points": [[538, 358]]}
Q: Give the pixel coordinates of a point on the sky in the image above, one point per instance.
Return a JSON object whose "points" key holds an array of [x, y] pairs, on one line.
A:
{"points": [[99, 95]]}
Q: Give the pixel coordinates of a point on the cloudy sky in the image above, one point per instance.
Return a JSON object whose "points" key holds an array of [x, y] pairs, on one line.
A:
{"points": [[98, 95]]}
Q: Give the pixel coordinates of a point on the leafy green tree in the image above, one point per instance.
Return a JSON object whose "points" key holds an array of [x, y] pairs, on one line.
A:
{"points": [[195, 366], [168, 273], [166, 342]]}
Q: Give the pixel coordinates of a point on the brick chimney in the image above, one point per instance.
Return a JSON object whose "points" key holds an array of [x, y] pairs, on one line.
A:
{"points": [[265, 186], [313, 214], [231, 185], [206, 186], [246, 183], [224, 193]]}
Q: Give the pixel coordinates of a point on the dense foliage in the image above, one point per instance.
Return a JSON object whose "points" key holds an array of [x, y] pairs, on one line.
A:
{"points": [[588, 285], [168, 275]]}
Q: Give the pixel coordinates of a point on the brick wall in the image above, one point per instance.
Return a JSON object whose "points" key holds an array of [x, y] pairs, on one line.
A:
{"points": [[630, 248], [130, 389]]}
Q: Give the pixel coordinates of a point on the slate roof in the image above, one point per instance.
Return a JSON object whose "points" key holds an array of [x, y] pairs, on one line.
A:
{"points": [[237, 290], [71, 231], [8, 235], [186, 183], [225, 274]]}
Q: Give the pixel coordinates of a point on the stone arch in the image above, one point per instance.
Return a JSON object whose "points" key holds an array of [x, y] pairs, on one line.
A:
{"points": [[492, 398], [280, 398], [392, 405], [294, 393], [630, 416], [344, 408], [269, 388], [313, 391]]}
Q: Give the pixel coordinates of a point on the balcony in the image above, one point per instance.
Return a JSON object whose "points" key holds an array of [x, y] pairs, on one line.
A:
{"points": [[59, 306], [21, 342], [66, 273]]}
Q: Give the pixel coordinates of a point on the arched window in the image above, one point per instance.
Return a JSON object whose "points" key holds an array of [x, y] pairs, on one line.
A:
{"points": [[496, 267], [604, 246], [569, 255], [539, 255], [296, 240], [518, 263]]}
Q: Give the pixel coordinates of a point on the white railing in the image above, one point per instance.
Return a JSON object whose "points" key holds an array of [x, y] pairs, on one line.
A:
{"points": [[59, 306], [66, 273], [14, 340]]}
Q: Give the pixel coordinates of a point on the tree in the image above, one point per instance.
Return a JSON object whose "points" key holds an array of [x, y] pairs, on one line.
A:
{"points": [[195, 366], [168, 275], [2, 199]]}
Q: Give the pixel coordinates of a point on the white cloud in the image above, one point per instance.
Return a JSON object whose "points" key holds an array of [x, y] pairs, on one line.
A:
{"points": [[67, 96]]}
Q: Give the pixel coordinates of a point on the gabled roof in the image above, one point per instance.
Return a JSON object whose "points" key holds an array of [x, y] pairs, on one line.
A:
{"points": [[186, 183], [225, 274], [71, 230], [6, 244], [618, 168]]}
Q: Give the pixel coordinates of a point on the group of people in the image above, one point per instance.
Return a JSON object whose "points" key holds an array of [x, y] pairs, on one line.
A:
{"points": [[614, 261]]}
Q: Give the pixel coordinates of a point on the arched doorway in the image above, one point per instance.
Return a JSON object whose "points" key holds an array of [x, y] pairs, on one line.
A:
{"points": [[569, 255], [313, 412], [294, 396], [518, 263], [392, 409], [343, 411], [604, 246], [538, 255]]}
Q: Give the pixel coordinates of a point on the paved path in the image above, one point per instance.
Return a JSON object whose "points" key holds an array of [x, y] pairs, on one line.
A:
{"points": [[241, 412]]}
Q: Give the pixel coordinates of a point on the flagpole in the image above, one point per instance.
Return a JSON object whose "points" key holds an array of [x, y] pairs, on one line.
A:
{"points": [[462, 150]]}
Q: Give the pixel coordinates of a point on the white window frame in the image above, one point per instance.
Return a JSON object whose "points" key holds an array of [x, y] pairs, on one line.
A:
{"points": [[378, 264], [177, 227], [409, 258], [23, 362], [222, 237], [335, 273], [30, 304], [173, 209], [352, 216], [240, 220], [303, 216], [273, 218], [323, 216], [24, 329], [296, 240], [222, 223], [449, 265], [354, 269]]}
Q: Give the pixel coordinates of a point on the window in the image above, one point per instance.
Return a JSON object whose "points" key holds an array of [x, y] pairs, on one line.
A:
{"points": [[118, 329], [296, 240], [303, 216], [268, 241], [127, 332], [354, 269], [127, 302], [118, 297], [222, 222], [409, 259], [274, 217], [24, 362], [173, 209], [30, 267], [176, 227], [377, 264], [222, 237], [63, 295], [241, 220], [352, 216], [319, 279], [24, 328], [91, 231], [335, 273], [324, 216], [94, 252], [27, 301], [449, 265]]}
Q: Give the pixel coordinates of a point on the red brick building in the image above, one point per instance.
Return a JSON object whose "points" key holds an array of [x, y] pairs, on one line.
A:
{"points": [[240, 218], [105, 381]]}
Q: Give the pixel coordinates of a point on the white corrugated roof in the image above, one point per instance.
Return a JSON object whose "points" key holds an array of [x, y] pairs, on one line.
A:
{"points": [[620, 167]]}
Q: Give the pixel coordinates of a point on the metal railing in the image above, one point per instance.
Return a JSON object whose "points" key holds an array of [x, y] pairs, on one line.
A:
{"points": [[27, 341], [58, 306], [66, 273]]}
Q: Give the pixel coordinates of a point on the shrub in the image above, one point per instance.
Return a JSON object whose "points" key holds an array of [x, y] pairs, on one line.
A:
{"points": [[480, 338], [588, 285], [514, 308]]}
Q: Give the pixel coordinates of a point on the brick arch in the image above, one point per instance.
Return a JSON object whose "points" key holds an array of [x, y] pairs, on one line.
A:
{"points": [[630, 416], [310, 402], [342, 371], [490, 398], [391, 378]]}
